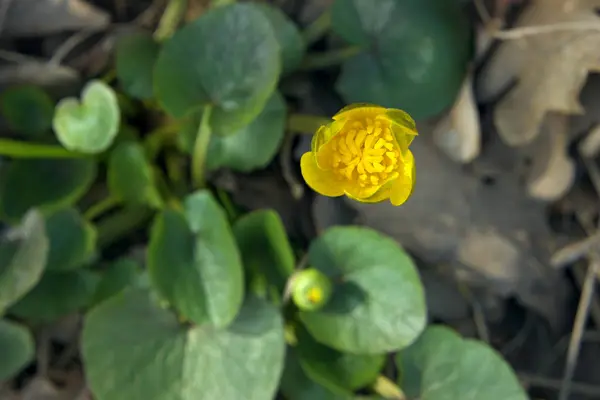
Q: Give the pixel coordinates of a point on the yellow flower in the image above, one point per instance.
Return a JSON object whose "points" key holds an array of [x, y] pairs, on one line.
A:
{"points": [[363, 154]]}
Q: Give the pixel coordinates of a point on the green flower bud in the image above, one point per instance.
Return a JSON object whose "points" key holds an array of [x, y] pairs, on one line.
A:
{"points": [[311, 289]]}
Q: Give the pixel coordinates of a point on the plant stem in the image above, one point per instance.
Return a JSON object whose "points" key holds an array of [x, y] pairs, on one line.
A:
{"points": [[170, 19], [20, 149], [101, 207], [201, 148], [307, 124], [113, 228], [219, 3], [317, 28], [387, 389], [158, 138], [329, 58]]}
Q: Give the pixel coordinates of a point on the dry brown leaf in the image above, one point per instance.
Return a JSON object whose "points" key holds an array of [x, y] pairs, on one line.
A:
{"points": [[550, 66]]}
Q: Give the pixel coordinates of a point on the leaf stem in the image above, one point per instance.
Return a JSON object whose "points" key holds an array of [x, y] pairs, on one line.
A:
{"points": [[329, 58], [170, 19], [101, 207], [307, 124], [316, 29], [387, 389], [201, 148], [20, 149], [114, 227]]}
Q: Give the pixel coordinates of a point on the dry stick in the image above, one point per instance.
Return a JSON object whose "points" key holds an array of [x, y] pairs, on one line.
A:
{"points": [[3, 11], [548, 383], [286, 167]]}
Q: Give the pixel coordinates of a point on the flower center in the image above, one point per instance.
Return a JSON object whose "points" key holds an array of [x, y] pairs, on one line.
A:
{"points": [[365, 153]]}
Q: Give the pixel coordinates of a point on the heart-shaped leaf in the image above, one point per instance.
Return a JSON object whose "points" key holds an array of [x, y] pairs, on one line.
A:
{"points": [[23, 255], [377, 304], [16, 347], [172, 361], [45, 184], [441, 365], [72, 240], [130, 175], [193, 261], [416, 53], [89, 126], [135, 57], [228, 58], [120, 275], [27, 109]]}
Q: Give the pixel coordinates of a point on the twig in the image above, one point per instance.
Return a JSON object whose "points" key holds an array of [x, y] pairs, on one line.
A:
{"points": [[285, 161], [548, 383], [519, 33], [575, 251], [68, 45], [483, 12], [3, 12]]}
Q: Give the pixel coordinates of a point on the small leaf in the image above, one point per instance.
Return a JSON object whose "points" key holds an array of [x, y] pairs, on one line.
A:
{"points": [[441, 365], [72, 240], [334, 369], [45, 184], [119, 276], [17, 348], [56, 295], [286, 32], [229, 58], [135, 57], [195, 263], [89, 126], [27, 109], [265, 249], [173, 361], [377, 304], [130, 175], [23, 254]]}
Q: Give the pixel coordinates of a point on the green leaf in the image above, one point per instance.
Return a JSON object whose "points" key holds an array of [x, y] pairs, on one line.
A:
{"points": [[171, 361], [441, 365], [417, 53], [72, 240], [17, 348], [135, 57], [228, 58], [377, 303], [289, 38], [23, 254], [89, 126], [334, 369], [297, 385], [120, 275], [57, 294], [265, 249], [130, 175], [27, 109], [45, 184], [194, 263]]}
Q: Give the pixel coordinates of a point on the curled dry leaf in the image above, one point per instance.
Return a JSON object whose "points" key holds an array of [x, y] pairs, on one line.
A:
{"points": [[550, 65], [459, 133]]}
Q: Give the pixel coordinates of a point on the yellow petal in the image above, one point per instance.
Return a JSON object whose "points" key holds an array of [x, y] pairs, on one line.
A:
{"points": [[403, 186], [401, 118], [322, 182], [380, 195], [359, 111], [358, 193]]}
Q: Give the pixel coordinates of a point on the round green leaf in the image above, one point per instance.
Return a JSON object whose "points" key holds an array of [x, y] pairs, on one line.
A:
{"points": [[72, 240], [17, 348], [89, 126], [417, 53], [228, 58], [377, 303], [57, 294], [45, 184], [130, 175], [265, 249], [27, 109], [23, 255], [194, 263], [441, 365], [335, 369], [120, 275], [135, 57], [289, 38], [171, 361]]}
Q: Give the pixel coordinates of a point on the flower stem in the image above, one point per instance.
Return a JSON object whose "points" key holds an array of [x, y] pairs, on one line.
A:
{"points": [[307, 124], [101, 207], [317, 28], [387, 389], [170, 19], [201, 148], [20, 149], [329, 58]]}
